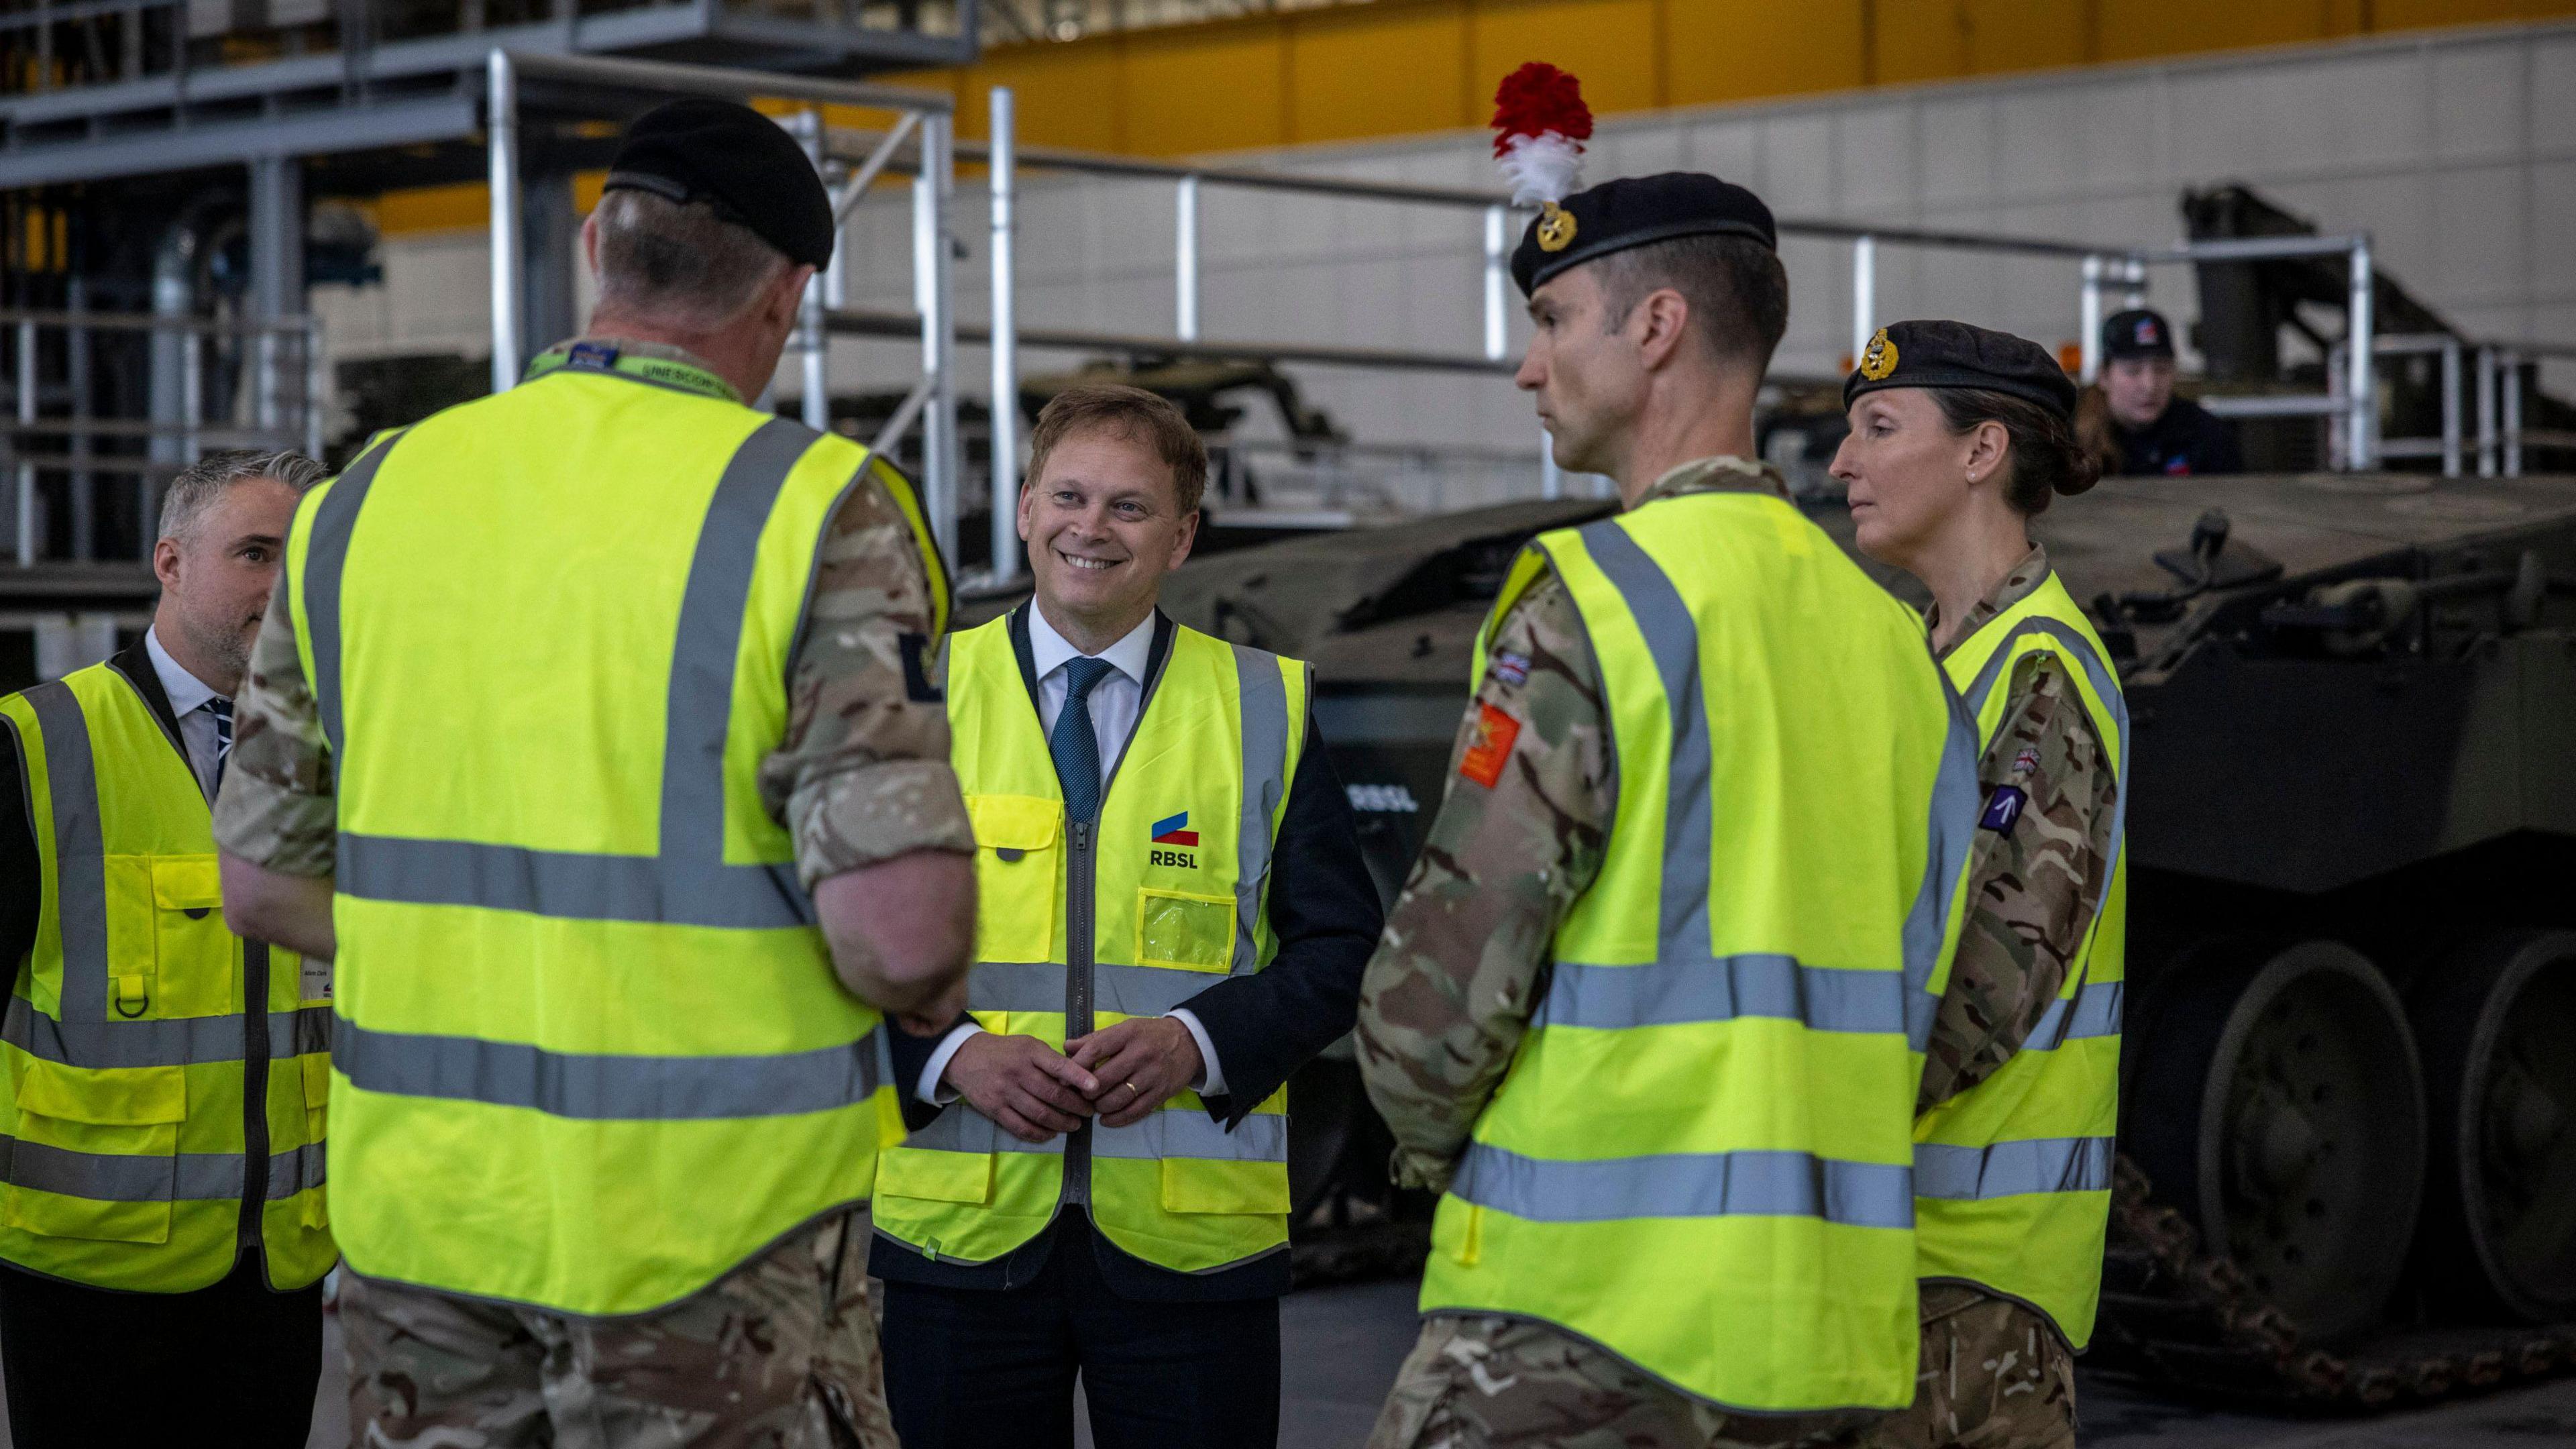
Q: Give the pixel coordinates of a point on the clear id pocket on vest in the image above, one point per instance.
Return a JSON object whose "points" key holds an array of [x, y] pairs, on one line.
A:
{"points": [[1184, 931], [96, 1152]]}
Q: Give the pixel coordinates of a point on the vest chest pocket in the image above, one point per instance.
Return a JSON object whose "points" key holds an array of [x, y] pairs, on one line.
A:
{"points": [[192, 966], [96, 1151], [1019, 872]]}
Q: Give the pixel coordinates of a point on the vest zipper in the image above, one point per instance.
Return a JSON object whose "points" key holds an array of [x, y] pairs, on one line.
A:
{"points": [[1081, 872], [254, 1092]]}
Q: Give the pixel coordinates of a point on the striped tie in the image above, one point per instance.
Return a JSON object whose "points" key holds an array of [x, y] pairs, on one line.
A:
{"points": [[222, 710]]}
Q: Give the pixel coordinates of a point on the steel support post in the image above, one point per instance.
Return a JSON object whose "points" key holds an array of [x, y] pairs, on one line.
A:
{"points": [[1185, 253], [26, 500], [1497, 228], [277, 272], [313, 379], [192, 394], [813, 345], [2451, 420], [2486, 412], [1003, 158], [501, 129], [2361, 423], [1864, 294], [2089, 317], [2510, 380], [930, 270]]}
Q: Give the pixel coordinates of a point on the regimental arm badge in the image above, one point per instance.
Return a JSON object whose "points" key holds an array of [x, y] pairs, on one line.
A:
{"points": [[1879, 358], [1555, 227]]}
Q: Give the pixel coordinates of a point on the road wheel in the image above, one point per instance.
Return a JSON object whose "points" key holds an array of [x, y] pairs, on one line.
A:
{"points": [[2495, 1022], [2278, 1099]]}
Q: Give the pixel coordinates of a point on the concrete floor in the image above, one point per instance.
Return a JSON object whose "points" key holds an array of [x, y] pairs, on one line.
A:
{"points": [[1342, 1345]]}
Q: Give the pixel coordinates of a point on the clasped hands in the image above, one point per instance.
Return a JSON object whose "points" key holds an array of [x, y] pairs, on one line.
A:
{"points": [[1118, 1074]]}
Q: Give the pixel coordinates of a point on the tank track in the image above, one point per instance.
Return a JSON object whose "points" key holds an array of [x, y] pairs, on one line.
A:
{"points": [[2190, 1318]]}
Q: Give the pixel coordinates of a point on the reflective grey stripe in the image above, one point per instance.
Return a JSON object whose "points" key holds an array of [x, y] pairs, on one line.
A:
{"points": [[612, 1088], [1263, 688], [186, 1177], [1952, 825], [1039, 986], [2009, 1169], [326, 554], [2106, 684], [1188, 1132], [1672, 637], [174, 1042], [2095, 1012], [80, 850], [1663, 993], [1687, 1185], [564, 885], [687, 881], [1178, 1132], [963, 1129]]}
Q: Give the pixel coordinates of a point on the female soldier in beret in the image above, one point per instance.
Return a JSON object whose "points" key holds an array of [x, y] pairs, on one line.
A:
{"points": [[1959, 436]]}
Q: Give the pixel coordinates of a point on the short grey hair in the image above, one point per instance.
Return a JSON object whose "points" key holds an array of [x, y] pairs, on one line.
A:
{"points": [[663, 258], [202, 482]]}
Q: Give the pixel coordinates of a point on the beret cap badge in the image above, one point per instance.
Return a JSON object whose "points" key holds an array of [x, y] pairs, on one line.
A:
{"points": [[1879, 358], [1555, 227]]}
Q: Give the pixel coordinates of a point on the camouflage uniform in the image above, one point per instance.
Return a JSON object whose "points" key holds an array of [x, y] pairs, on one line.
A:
{"points": [[1996, 1374], [772, 1354], [1461, 967], [779, 1354]]}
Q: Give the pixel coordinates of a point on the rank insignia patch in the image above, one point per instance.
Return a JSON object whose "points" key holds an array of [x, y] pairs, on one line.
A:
{"points": [[2003, 808], [1495, 732]]}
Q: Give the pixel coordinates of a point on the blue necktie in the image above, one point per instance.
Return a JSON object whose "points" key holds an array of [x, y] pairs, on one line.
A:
{"points": [[222, 710], [1075, 745]]}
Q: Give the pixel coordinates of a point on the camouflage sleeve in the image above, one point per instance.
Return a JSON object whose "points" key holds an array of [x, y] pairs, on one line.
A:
{"points": [[862, 774], [2032, 887], [1520, 834], [275, 808]]}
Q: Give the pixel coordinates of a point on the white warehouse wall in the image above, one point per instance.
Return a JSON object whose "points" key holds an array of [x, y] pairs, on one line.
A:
{"points": [[2456, 150]]}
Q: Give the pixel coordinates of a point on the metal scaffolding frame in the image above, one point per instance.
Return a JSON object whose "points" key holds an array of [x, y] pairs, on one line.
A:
{"points": [[923, 145], [281, 416]]}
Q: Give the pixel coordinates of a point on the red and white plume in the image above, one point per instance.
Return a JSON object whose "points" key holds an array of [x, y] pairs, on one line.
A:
{"points": [[1540, 125]]}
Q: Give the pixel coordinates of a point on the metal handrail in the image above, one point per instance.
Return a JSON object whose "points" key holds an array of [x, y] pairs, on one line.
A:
{"points": [[930, 112]]}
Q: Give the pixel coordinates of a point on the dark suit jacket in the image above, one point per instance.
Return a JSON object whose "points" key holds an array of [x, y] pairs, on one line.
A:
{"points": [[1324, 912], [22, 878]]}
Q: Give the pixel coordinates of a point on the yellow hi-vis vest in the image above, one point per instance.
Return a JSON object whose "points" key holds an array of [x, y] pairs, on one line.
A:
{"points": [[590, 1052], [1699, 1157], [1081, 926], [131, 1155], [2012, 1177]]}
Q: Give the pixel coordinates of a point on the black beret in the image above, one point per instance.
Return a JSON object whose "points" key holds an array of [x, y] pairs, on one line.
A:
{"points": [[1631, 212], [736, 160], [2143, 332], [1954, 354]]}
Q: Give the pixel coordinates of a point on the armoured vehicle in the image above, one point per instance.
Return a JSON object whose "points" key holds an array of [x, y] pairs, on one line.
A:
{"points": [[2348, 1135]]}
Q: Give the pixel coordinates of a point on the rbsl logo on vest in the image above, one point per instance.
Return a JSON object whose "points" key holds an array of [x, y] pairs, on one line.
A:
{"points": [[1173, 830]]}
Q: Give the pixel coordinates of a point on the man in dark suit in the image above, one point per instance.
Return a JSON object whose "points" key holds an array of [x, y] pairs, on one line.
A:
{"points": [[139, 1305], [1174, 917]]}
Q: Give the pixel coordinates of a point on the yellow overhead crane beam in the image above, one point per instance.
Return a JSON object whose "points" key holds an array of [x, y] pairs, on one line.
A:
{"points": [[1404, 67]]}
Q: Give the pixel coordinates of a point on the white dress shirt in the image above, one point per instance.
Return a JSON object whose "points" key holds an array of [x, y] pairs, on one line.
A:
{"points": [[189, 697], [1115, 702]]}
